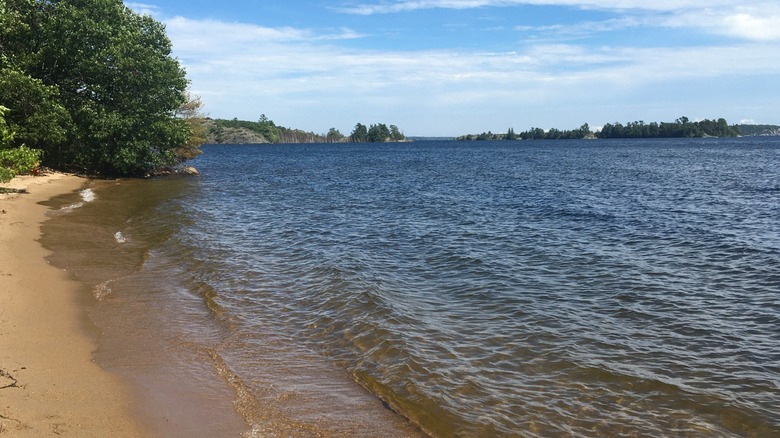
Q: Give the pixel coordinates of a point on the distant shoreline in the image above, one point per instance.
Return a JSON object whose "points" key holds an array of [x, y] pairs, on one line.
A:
{"points": [[245, 132], [414, 140]]}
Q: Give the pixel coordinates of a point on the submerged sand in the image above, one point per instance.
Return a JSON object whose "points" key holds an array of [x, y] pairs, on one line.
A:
{"points": [[49, 383]]}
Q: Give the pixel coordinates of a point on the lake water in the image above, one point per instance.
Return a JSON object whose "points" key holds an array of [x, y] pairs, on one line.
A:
{"points": [[554, 288]]}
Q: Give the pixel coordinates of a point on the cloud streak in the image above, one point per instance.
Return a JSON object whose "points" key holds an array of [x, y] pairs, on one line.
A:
{"points": [[250, 69], [143, 8], [757, 23], [386, 7], [556, 74], [749, 20]]}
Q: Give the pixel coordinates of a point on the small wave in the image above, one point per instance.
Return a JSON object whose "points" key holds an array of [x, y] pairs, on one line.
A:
{"points": [[119, 237], [246, 404], [102, 290], [88, 195], [69, 208]]}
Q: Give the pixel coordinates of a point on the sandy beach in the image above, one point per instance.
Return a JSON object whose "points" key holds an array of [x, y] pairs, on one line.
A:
{"points": [[49, 384]]}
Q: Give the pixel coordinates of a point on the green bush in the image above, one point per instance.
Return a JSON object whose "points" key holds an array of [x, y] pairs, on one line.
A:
{"points": [[18, 161], [6, 174], [14, 161]]}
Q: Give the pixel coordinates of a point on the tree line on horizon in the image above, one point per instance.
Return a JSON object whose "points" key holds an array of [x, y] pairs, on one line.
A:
{"points": [[377, 133], [680, 128], [264, 127], [94, 88], [219, 129]]}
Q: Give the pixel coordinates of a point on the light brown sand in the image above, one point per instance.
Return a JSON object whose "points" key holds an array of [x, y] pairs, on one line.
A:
{"points": [[49, 384]]}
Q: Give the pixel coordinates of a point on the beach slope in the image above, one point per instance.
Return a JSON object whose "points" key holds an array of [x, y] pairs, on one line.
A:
{"points": [[49, 384]]}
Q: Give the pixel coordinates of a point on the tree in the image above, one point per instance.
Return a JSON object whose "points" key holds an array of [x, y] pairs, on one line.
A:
{"points": [[334, 135], [553, 134], [359, 134], [396, 134], [106, 80], [268, 129], [38, 117], [378, 133], [584, 131], [6, 133], [190, 111], [486, 136]]}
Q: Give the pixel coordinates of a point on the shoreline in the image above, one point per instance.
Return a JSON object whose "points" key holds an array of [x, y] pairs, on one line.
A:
{"points": [[181, 358], [49, 382]]}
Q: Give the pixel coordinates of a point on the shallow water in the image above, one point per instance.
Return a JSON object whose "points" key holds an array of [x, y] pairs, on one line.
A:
{"points": [[478, 289]]}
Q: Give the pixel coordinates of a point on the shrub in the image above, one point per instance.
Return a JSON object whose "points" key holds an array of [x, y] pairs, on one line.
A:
{"points": [[18, 161], [6, 175]]}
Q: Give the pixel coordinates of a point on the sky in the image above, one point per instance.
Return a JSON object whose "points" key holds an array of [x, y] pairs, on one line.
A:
{"points": [[454, 67]]}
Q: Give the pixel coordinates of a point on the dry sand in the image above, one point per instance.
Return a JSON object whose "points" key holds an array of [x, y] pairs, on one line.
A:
{"points": [[49, 384]]}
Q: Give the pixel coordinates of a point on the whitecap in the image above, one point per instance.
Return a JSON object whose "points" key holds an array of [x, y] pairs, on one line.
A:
{"points": [[119, 237], [64, 210], [88, 195]]}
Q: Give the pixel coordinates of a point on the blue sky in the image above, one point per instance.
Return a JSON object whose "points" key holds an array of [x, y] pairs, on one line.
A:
{"points": [[452, 67]]}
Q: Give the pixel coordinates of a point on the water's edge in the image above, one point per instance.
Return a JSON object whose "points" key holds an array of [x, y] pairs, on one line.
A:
{"points": [[584, 288], [183, 385]]}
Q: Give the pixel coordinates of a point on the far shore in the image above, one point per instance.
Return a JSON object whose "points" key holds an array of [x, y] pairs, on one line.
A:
{"points": [[49, 384]]}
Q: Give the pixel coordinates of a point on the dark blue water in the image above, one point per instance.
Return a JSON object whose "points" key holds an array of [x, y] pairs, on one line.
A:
{"points": [[583, 288]]}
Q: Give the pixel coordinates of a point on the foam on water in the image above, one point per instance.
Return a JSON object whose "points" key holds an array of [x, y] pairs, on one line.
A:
{"points": [[119, 237], [87, 195], [102, 290], [67, 209]]}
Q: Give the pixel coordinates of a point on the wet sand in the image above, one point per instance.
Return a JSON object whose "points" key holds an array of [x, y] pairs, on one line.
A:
{"points": [[49, 383]]}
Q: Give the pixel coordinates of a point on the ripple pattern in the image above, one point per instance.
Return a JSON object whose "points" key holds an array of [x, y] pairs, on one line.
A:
{"points": [[579, 288], [588, 289]]}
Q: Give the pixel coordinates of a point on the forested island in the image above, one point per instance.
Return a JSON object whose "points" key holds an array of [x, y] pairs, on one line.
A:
{"points": [[680, 128], [222, 131]]}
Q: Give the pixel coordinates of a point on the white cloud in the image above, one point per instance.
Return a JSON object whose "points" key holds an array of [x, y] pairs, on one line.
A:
{"points": [[757, 20], [385, 7], [143, 8], [744, 20], [586, 27], [763, 28], [243, 70], [239, 34]]}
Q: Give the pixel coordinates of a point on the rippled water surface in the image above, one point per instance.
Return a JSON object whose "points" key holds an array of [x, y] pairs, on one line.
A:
{"points": [[477, 289]]}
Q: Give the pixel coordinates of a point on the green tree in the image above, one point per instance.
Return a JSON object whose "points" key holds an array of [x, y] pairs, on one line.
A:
{"points": [[112, 73], [268, 129], [553, 134], [359, 134], [334, 135], [396, 133], [378, 133], [6, 133], [584, 131], [486, 136], [38, 117]]}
